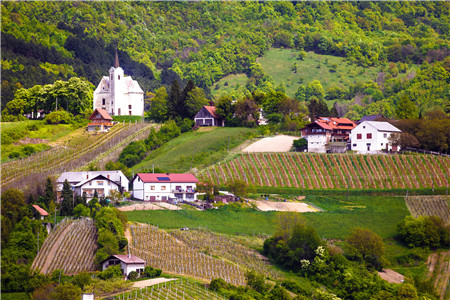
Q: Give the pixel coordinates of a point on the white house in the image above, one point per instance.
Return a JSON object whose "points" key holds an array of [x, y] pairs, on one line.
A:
{"points": [[128, 263], [119, 95], [372, 137], [164, 187], [207, 117], [89, 181]]}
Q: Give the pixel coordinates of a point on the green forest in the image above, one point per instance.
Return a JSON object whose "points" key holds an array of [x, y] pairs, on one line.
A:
{"points": [[158, 42]]}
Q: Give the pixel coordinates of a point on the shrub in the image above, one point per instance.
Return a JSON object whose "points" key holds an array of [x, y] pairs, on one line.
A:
{"points": [[420, 232], [111, 272], [59, 117], [151, 272], [133, 275]]}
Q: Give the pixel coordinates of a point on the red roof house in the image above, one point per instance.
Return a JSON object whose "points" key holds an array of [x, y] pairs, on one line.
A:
{"points": [[100, 121], [207, 117], [164, 187], [40, 211]]}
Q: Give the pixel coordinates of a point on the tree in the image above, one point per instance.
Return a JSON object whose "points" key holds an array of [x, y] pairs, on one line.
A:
{"points": [[367, 245], [247, 112], [285, 223], [195, 100], [81, 211], [317, 108], [405, 108], [314, 89], [158, 106], [419, 232], [225, 109], [300, 144], [115, 197], [13, 210], [238, 187], [49, 193], [67, 199], [174, 100]]}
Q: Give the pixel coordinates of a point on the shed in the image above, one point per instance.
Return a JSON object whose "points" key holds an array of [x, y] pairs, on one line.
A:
{"points": [[40, 211], [128, 263], [207, 117]]}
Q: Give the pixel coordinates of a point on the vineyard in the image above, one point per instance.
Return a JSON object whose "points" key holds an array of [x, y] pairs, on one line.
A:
{"points": [[162, 250], [429, 206], [76, 153], [70, 247], [332, 171], [179, 289]]}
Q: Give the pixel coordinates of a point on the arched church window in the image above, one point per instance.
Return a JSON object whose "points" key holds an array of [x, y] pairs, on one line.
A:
{"points": [[119, 77]]}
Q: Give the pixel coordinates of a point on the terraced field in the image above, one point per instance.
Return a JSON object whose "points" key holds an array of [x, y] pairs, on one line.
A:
{"points": [[70, 247], [429, 206], [332, 171], [75, 153]]}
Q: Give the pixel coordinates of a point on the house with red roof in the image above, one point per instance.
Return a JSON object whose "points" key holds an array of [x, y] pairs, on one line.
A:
{"points": [[128, 263], [324, 132], [100, 121], [42, 213], [165, 187], [207, 117]]}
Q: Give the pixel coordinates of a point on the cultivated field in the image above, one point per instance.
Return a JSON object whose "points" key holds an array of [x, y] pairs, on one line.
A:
{"points": [[79, 150], [332, 171], [429, 206], [70, 247]]}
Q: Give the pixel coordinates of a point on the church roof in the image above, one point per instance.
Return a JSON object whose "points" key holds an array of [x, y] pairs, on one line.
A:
{"points": [[132, 85], [116, 61]]}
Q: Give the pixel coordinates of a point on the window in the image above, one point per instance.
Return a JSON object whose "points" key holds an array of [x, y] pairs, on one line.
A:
{"points": [[152, 187], [354, 145], [129, 106], [103, 101], [163, 188], [369, 136], [368, 144], [385, 135], [100, 182], [108, 176], [359, 136], [90, 182], [118, 77], [381, 144], [364, 127]]}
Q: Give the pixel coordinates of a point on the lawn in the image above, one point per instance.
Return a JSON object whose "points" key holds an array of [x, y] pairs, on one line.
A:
{"points": [[378, 213], [14, 296], [201, 148], [278, 63], [229, 85]]}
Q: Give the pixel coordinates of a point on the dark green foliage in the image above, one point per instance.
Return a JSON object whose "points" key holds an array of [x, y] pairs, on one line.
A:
{"points": [[151, 272], [67, 203], [186, 125], [112, 166], [49, 193], [133, 153], [300, 144], [82, 279], [174, 101], [13, 210], [367, 245], [238, 187], [123, 242], [317, 108], [111, 272], [256, 281], [133, 275], [424, 232], [59, 117]]}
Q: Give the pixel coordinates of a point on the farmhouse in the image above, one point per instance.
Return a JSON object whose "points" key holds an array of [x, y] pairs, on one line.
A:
{"points": [[328, 133], [164, 187], [128, 263], [40, 212], [207, 117], [86, 183], [100, 121], [119, 95], [373, 137]]}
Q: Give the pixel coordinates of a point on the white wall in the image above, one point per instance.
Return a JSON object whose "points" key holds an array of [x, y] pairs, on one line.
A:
{"points": [[317, 142], [128, 268], [144, 191], [365, 145], [107, 186]]}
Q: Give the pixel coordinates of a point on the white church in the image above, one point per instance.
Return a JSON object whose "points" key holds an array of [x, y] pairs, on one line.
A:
{"points": [[119, 95]]}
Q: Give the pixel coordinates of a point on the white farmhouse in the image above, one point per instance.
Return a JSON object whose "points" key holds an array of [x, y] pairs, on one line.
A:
{"points": [[164, 187], [128, 263], [372, 137], [86, 183], [119, 95]]}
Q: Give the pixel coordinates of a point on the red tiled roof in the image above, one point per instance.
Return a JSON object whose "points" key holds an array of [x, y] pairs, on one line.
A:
{"points": [[129, 259], [335, 123], [40, 210], [211, 110], [176, 177], [102, 112]]}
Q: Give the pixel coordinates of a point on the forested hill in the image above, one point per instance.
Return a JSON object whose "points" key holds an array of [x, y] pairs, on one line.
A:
{"points": [[46, 41]]}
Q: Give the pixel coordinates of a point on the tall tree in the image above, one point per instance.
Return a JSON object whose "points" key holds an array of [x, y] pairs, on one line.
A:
{"points": [[68, 199], [174, 100], [195, 100], [317, 108], [49, 193], [158, 106], [406, 109]]}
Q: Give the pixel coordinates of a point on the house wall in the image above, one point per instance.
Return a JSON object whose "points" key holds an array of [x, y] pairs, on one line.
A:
{"points": [[103, 187], [156, 191], [128, 268], [317, 143], [378, 142]]}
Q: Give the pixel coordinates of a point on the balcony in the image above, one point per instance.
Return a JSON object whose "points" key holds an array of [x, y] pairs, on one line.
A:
{"points": [[183, 191]]}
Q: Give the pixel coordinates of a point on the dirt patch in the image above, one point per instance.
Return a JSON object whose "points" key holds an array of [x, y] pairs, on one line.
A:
{"points": [[279, 143], [391, 276], [284, 206], [150, 282], [168, 206], [150, 206], [28, 140]]}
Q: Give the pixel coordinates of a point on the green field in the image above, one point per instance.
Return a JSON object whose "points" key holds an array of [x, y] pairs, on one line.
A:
{"points": [[14, 296], [380, 214], [278, 63], [229, 85], [206, 146]]}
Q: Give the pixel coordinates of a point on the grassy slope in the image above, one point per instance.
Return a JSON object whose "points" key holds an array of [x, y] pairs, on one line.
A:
{"points": [[209, 144], [335, 222], [235, 82], [278, 64]]}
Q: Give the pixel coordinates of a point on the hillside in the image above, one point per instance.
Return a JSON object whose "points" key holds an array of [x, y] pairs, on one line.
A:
{"points": [[72, 151], [70, 248], [332, 171]]}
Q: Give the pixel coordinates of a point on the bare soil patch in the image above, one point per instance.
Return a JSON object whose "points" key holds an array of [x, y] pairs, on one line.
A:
{"points": [[279, 143], [168, 206], [28, 140], [150, 282], [284, 206], [391, 276], [144, 206]]}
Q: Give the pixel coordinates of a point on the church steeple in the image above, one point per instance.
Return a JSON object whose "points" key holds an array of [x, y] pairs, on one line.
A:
{"points": [[116, 61]]}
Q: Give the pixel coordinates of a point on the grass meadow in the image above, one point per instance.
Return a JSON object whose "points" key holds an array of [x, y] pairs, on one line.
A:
{"points": [[229, 84], [378, 213], [278, 63], [201, 148]]}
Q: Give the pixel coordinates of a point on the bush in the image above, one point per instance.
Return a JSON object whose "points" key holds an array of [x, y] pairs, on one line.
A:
{"points": [[422, 232], [300, 144], [59, 117], [123, 242], [133, 275], [111, 272], [151, 272]]}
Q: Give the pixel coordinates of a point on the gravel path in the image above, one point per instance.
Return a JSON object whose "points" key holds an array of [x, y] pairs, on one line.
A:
{"points": [[150, 282], [391, 276], [279, 143]]}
